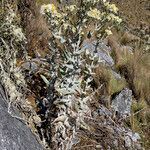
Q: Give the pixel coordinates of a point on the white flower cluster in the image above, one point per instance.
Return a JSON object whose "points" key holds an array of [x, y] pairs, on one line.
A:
{"points": [[94, 13], [10, 17], [108, 32], [71, 7], [111, 7], [50, 8], [112, 17], [17, 32]]}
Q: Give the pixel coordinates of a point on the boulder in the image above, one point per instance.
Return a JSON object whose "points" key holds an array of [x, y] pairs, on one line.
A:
{"points": [[14, 134]]}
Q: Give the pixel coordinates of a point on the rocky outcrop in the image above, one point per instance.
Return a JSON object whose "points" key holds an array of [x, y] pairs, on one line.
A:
{"points": [[14, 134]]}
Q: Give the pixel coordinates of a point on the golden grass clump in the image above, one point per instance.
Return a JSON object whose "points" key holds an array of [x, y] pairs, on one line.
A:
{"points": [[140, 121], [136, 69], [111, 84], [134, 65]]}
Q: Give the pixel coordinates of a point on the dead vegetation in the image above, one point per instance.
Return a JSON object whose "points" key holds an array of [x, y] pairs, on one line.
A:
{"points": [[134, 65], [35, 27]]}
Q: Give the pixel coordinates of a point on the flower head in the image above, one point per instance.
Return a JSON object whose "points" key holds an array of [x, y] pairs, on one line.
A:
{"points": [[94, 13], [71, 7], [111, 7], [108, 32], [48, 8], [17, 32], [114, 18]]}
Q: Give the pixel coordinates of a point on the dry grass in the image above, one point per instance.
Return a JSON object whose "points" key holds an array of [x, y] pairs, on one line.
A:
{"points": [[135, 67], [140, 121], [111, 85], [104, 75], [35, 27]]}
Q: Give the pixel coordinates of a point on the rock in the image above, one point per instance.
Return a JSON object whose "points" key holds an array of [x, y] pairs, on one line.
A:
{"points": [[102, 52], [122, 103], [131, 138], [32, 66], [14, 134]]}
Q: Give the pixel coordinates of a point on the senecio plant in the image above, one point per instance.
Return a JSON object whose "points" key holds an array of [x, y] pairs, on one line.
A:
{"points": [[12, 41], [71, 25], [11, 37], [96, 16]]}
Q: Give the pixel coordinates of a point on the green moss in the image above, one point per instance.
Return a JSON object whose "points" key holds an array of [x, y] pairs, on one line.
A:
{"points": [[112, 84], [116, 85]]}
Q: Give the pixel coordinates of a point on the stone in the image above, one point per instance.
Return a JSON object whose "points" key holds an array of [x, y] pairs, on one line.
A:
{"points": [[122, 103], [14, 134], [102, 51]]}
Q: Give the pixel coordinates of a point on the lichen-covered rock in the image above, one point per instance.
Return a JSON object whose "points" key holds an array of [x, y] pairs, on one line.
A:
{"points": [[122, 103], [14, 134]]}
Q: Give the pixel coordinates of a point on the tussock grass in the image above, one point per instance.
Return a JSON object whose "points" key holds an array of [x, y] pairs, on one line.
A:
{"points": [[111, 85], [140, 121], [134, 66]]}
